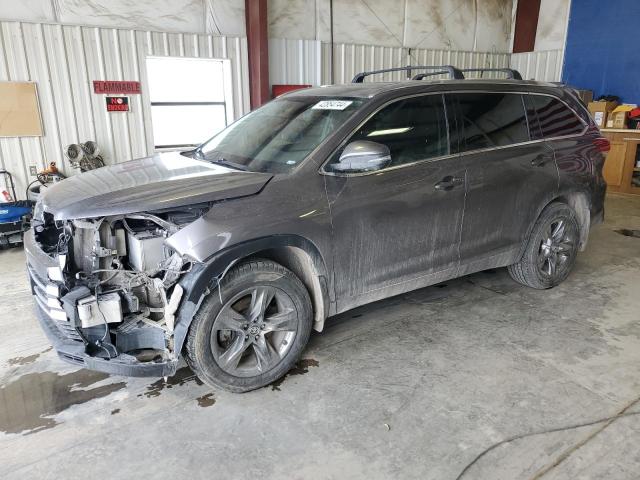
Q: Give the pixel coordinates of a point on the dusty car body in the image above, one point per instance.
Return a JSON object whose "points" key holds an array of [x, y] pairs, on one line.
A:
{"points": [[122, 258]]}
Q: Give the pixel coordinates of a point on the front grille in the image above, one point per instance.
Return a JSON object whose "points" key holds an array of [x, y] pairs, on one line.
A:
{"points": [[51, 306]]}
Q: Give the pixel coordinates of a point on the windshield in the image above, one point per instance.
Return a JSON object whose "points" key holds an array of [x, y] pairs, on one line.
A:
{"points": [[280, 135]]}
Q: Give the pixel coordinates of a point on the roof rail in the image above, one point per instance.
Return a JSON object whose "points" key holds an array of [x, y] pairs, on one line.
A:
{"points": [[454, 73], [511, 73], [422, 75]]}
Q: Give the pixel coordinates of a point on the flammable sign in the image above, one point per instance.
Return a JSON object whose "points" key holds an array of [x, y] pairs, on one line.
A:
{"points": [[117, 104]]}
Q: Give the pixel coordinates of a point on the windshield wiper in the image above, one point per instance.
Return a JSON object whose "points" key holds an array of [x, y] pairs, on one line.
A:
{"points": [[195, 153], [226, 163]]}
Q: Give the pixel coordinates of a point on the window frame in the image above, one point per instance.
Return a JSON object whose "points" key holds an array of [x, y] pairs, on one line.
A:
{"points": [[451, 117], [227, 103], [347, 139], [461, 124]]}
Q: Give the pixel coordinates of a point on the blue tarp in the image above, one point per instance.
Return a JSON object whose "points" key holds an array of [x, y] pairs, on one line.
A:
{"points": [[602, 48]]}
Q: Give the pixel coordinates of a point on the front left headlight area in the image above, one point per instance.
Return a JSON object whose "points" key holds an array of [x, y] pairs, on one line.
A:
{"points": [[114, 281]]}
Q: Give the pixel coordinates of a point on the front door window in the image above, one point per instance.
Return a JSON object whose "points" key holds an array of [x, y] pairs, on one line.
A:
{"points": [[413, 129]]}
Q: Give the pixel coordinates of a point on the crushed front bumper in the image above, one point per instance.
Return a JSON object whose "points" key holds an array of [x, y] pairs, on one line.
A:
{"points": [[63, 335]]}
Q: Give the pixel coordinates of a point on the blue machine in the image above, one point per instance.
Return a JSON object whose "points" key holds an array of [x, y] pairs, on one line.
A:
{"points": [[14, 216]]}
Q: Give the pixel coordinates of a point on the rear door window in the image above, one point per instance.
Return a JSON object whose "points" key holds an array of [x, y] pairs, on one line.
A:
{"points": [[554, 118], [489, 120]]}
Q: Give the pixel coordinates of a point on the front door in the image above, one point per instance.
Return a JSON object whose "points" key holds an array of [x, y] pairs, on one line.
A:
{"points": [[397, 228], [508, 177]]}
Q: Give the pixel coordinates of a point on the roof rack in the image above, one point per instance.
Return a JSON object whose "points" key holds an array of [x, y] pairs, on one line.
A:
{"points": [[454, 73], [511, 73], [422, 75]]}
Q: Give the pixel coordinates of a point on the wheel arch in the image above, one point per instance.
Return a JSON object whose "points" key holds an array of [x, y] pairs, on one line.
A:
{"points": [[579, 202], [294, 252]]}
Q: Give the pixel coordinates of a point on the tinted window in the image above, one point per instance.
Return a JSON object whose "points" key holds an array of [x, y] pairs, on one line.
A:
{"points": [[532, 117], [490, 120], [555, 119], [414, 129]]}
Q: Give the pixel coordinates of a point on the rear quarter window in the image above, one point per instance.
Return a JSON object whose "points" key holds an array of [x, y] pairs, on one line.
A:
{"points": [[551, 118]]}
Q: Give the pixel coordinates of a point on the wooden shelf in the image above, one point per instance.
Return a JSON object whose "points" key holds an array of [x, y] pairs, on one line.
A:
{"points": [[620, 130], [620, 166]]}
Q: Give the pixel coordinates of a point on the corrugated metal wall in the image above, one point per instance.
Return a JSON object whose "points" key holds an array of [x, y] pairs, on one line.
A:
{"points": [[64, 60], [350, 59], [542, 66], [296, 62]]}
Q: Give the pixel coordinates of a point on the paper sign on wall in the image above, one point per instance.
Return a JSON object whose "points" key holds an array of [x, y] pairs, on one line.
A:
{"points": [[19, 110]]}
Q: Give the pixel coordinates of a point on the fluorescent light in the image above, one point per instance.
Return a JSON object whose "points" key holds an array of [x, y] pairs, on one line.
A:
{"points": [[389, 131]]}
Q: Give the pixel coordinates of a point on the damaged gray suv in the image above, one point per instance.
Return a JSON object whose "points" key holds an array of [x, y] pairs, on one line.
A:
{"points": [[320, 201]]}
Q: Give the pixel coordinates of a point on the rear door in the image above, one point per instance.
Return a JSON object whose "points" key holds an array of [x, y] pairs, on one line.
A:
{"points": [[508, 177]]}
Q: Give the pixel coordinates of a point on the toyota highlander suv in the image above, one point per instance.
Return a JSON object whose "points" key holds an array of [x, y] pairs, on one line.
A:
{"points": [[322, 200]]}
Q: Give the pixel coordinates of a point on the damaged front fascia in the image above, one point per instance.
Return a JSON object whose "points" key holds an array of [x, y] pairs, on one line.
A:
{"points": [[95, 258]]}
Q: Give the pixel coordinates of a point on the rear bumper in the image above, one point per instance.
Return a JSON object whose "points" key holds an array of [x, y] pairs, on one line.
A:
{"points": [[63, 335]]}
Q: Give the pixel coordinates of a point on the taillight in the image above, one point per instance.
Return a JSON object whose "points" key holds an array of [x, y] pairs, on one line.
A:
{"points": [[602, 144]]}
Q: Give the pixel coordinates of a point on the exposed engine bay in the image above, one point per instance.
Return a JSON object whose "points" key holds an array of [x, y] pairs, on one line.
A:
{"points": [[117, 280]]}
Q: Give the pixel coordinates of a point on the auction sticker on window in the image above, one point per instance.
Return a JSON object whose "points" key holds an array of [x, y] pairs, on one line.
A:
{"points": [[332, 105]]}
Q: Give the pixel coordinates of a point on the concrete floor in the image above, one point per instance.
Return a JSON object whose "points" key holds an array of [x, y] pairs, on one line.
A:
{"points": [[416, 386]]}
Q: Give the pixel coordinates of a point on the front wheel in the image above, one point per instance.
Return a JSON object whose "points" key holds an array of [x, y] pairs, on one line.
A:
{"points": [[253, 330], [551, 250]]}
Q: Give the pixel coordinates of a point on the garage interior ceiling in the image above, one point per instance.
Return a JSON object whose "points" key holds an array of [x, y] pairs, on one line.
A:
{"points": [[431, 24]]}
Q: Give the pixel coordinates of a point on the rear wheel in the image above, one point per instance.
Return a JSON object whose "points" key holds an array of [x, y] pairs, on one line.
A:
{"points": [[551, 250], [253, 330]]}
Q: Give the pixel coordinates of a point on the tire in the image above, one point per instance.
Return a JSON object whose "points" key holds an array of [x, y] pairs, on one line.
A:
{"points": [[551, 249], [252, 331]]}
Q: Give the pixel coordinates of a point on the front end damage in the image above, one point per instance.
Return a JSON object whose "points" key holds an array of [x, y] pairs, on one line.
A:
{"points": [[107, 289]]}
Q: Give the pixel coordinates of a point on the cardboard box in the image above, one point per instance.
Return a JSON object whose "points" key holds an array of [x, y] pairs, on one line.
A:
{"points": [[600, 111], [619, 116], [585, 95]]}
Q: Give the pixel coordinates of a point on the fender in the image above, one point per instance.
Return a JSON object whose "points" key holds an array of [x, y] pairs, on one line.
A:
{"points": [[204, 277]]}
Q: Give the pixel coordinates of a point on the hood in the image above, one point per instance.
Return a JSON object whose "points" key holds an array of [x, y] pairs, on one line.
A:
{"points": [[164, 180]]}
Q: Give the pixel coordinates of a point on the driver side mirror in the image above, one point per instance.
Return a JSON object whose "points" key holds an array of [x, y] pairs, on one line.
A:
{"points": [[363, 156]]}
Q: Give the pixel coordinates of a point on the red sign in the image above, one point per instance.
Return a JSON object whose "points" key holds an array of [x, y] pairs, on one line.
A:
{"points": [[278, 90], [101, 86], [117, 104]]}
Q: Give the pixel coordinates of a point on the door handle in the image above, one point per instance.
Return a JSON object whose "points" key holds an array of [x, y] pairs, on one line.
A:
{"points": [[449, 183], [541, 160]]}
